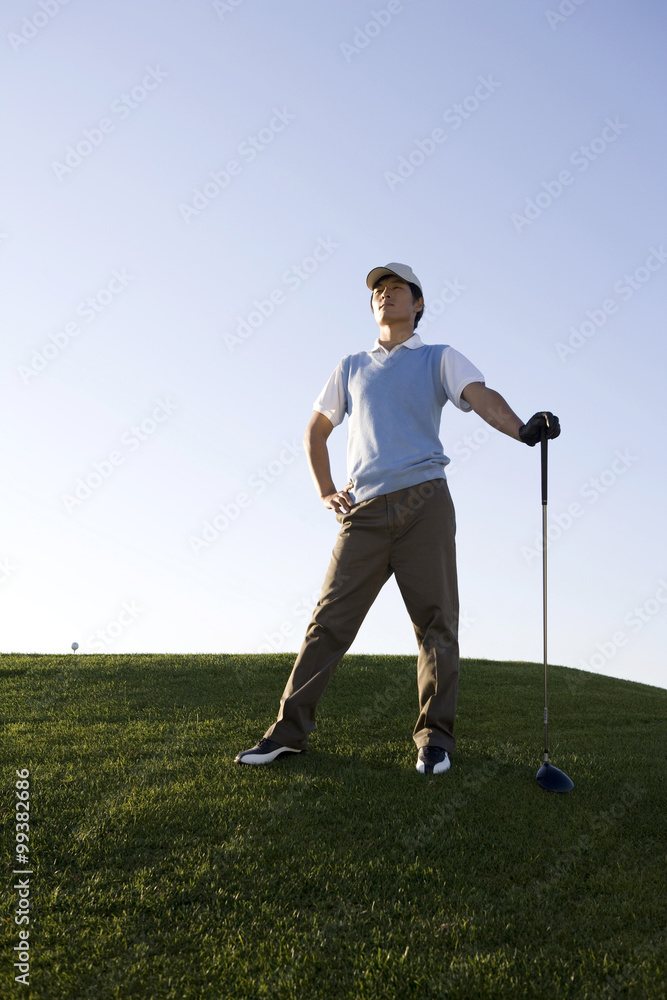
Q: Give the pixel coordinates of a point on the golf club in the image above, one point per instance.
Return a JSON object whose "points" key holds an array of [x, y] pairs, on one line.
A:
{"points": [[548, 776]]}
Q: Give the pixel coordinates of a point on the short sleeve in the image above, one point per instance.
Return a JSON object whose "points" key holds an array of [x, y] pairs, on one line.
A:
{"points": [[456, 372], [331, 400]]}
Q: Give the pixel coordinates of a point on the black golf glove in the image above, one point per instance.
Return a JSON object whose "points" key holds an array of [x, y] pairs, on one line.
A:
{"points": [[531, 432]]}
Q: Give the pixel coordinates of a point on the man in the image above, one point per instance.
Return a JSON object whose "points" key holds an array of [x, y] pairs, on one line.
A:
{"points": [[396, 514]]}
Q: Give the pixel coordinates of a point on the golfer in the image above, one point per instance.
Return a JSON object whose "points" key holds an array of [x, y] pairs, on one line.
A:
{"points": [[395, 513]]}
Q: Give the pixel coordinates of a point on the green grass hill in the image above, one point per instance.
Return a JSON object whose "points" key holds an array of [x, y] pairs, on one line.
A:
{"points": [[161, 870]]}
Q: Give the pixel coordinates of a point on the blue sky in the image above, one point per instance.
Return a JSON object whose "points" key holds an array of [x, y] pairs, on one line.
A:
{"points": [[196, 194]]}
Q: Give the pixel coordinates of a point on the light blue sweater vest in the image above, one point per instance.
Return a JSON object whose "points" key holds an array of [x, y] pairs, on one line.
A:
{"points": [[394, 405]]}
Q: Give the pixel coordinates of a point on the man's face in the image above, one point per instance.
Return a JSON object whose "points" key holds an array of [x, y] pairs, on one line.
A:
{"points": [[392, 301]]}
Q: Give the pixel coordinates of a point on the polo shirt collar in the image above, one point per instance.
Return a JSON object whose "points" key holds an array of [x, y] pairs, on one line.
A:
{"points": [[414, 341]]}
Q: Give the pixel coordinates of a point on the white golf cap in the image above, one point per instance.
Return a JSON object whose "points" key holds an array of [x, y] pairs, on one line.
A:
{"points": [[400, 270]]}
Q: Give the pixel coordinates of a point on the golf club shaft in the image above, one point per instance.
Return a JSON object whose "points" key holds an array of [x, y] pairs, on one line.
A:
{"points": [[544, 588]]}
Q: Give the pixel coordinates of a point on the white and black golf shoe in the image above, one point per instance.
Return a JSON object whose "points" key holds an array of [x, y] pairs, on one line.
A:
{"points": [[265, 752], [432, 760]]}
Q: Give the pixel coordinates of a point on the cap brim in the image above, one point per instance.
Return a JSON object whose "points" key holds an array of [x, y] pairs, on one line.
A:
{"points": [[377, 273]]}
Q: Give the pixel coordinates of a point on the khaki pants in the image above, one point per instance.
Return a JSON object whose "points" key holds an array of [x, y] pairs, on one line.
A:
{"points": [[409, 533]]}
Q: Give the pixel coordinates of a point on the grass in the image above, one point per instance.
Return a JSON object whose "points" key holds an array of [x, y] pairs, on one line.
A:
{"points": [[163, 870]]}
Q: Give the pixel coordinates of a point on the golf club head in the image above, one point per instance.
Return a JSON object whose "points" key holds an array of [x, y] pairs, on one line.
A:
{"points": [[553, 780]]}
